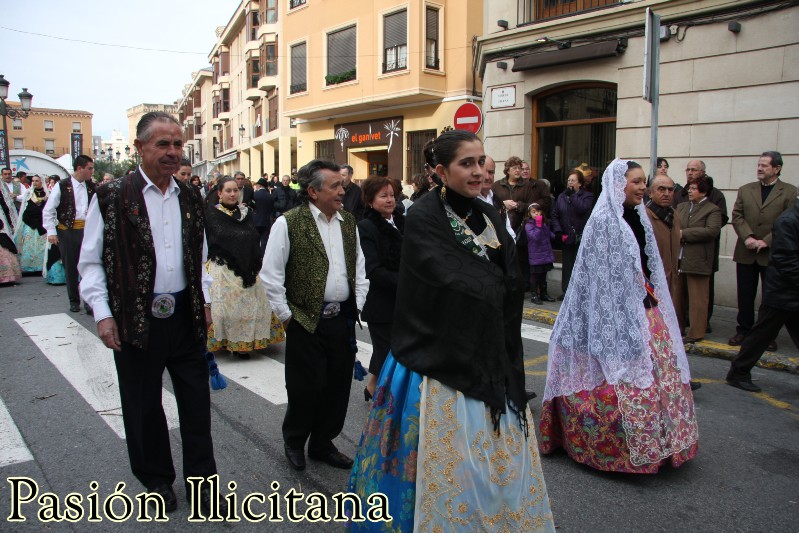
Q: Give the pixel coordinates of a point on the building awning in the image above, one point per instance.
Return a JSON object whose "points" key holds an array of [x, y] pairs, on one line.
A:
{"points": [[569, 55], [232, 156]]}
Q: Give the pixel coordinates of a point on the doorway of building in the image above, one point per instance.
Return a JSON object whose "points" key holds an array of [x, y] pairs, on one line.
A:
{"points": [[574, 125]]}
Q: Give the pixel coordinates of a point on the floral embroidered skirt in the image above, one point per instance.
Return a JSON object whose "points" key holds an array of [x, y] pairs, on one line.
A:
{"points": [[433, 452], [31, 247], [9, 267], [620, 428], [242, 317]]}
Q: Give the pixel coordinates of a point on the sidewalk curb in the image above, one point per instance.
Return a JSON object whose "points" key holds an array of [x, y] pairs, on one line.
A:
{"points": [[770, 360]]}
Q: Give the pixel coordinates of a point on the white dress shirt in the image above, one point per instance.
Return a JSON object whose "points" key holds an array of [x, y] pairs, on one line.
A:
{"points": [[273, 271], [489, 199], [163, 211], [81, 194]]}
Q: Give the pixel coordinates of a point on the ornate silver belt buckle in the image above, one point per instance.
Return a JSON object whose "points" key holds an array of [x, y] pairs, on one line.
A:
{"points": [[163, 306], [330, 310]]}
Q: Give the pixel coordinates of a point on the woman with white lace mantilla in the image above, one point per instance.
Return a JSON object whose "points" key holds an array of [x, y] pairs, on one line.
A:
{"points": [[618, 395], [448, 439]]}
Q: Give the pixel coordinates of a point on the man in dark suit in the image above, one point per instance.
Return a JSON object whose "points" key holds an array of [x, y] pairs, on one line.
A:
{"points": [[285, 196], [353, 201], [246, 190], [780, 300], [756, 208], [264, 211]]}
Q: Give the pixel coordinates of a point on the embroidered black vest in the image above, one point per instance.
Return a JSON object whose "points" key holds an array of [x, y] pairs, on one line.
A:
{"points": [[65, 212], [129, 255]]}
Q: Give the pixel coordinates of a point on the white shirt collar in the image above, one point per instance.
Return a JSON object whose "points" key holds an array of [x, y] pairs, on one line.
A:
{"points": [[76, 183], [173, 186], [488, 197], [316, 212]]}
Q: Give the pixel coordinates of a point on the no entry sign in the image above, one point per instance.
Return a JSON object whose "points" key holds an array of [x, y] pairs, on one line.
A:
{"points": [[468, 117]]}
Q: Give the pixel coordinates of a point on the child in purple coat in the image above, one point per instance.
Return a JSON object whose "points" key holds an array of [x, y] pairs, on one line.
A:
{"points": [[539, 252]]}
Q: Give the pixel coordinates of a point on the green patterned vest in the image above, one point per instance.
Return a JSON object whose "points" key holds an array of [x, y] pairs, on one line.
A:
{"points": [[307, 266]]}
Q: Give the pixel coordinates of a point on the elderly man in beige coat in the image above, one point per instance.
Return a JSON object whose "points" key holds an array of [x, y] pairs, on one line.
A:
{"points": [[756, 208], [667, 227]]}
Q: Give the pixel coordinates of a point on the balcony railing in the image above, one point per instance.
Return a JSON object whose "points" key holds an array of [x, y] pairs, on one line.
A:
{"points": [[535, 10]]}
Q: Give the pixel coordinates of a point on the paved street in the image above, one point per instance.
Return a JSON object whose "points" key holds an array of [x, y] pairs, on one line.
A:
{"points": [[60, 426]]}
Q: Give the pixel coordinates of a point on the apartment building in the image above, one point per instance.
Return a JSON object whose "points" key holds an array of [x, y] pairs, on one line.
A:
{"points": [[241, 124], [49, 131], [136, 112], [194, 114], [563, 83], [369, 83]]}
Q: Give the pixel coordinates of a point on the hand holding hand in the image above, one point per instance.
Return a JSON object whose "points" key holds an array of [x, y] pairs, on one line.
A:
{"points": [[510, 205], [108, 333], [750, 243]]}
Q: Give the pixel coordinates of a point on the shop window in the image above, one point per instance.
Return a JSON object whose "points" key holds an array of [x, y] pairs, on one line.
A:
{"points": [[341, 55], [415, 159], [324, 150], [571, 126], [395, 41]]}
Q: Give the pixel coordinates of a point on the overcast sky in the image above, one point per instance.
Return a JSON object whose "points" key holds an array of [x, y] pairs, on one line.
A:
{"points": [[100, 78]]}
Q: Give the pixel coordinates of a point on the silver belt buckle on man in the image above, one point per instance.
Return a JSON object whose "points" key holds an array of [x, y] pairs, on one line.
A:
{"points": [[163, 305], [331, 309]]}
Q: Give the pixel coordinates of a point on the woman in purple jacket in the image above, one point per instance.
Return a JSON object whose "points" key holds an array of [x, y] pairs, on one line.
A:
{"points": [[539, 252], [571, 212]]}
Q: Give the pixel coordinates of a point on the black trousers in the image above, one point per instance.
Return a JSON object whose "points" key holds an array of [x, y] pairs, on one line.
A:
{"points": [[172, 346], [69, 241], [263, 236], [568, 257], [769, 322], [524, 262], [747, 277], [380, 333], [318, 379]]}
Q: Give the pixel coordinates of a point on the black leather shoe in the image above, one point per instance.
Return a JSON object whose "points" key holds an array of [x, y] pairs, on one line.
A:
{"points": [[334, 458], [168, 494], [748, 386], [736, 340], [296, 457], [74, 308], [89, 310], [695, 385], [205, 504], [535, 300], [772, 346], [530, 394], [547, 298]]}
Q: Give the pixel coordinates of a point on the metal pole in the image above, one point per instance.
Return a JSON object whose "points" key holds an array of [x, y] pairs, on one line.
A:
{"points": [[4, 112], [653, 131]]}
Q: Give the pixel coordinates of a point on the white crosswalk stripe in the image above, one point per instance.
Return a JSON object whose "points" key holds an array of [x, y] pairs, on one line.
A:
{"points": [[87, 364], [12, 447]]}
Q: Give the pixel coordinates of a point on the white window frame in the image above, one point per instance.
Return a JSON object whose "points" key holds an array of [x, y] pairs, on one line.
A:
{"points": [[381, 19]]}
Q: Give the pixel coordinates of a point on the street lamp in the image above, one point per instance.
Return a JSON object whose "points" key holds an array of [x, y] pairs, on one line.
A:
{"points": [[118, 154], [127, 150], [25, 99]]}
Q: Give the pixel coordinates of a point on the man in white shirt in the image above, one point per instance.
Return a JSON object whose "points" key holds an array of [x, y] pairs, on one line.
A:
{"points": [[487, 195], [315, 279], [64, 218], [141, 269]]}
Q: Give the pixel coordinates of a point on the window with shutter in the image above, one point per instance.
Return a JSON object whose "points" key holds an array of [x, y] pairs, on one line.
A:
{"points": [[431, 38], [395, 41], [298, 65], [341, 53]]}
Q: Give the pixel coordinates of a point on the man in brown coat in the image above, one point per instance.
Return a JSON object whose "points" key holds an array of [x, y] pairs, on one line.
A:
{"points": [[666, 226], [756, 208]]}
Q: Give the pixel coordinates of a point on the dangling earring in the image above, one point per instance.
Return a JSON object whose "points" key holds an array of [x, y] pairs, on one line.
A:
{"points": [[443, 191]]}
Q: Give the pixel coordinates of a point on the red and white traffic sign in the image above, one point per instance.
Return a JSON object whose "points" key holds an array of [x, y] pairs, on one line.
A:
{"points": [[468, 117]]}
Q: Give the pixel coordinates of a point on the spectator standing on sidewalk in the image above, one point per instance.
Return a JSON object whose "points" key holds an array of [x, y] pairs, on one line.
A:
{"points": [[666, 226], [757, 206], [571, 212], [780, 300], [539, 253], [696, 169]]}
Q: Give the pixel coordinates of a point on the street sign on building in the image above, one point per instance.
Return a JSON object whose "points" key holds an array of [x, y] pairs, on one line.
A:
{"points": [[468, 117]]}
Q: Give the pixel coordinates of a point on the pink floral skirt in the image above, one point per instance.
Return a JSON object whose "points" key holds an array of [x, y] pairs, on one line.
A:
{"points": [[10, 270], [621, 428]]}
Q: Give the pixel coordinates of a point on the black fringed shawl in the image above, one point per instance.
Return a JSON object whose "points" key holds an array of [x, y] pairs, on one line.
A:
{"points": [[233, 242]]}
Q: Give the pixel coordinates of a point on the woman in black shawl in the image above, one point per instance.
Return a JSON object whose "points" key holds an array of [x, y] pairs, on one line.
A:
{"points": [[447, 440], [242, 319]]}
